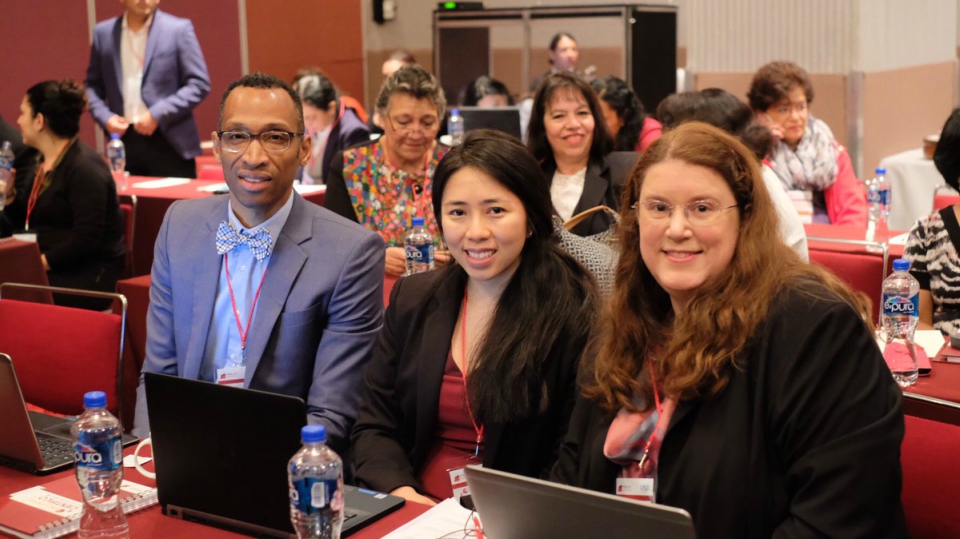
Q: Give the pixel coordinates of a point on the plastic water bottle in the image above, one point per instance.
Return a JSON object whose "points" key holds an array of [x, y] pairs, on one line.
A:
{"points": [[455, 127], [901, 312], [98, 452], [878, 208], [418, 246], [117, 155], [6, 165], [315, 478]]}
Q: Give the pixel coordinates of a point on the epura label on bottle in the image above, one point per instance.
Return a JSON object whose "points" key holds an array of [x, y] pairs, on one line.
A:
{"points": [[310, 495], [895, 305], [106, 457], [420, 253]]}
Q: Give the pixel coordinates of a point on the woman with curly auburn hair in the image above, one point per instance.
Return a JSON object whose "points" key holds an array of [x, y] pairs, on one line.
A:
{"points": [[729, 378]]}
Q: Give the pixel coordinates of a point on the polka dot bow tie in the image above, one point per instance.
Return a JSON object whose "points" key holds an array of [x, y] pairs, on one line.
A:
{"points": [[259, 242]]}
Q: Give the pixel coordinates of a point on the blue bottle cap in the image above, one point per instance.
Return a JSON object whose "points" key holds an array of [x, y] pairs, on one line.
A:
{"points": [[455, 112], [417, 221], [114, 136], [313, 433], [94, 399], [901, 264], [881, 170]]}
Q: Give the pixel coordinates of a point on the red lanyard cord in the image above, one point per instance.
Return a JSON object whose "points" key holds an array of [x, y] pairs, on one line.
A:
{"points": [[233, 301], [656, 427], [463, 371]]}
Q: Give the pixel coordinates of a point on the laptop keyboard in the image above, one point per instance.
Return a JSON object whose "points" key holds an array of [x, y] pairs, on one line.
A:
{"points": [[55, 450]]}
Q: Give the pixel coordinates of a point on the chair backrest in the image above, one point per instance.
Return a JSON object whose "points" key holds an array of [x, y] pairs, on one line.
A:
{"points": [[128, 207], [62, 352], [352, 103], [20, 262], [864, 272], [931, 476], [209, 172], [388, 282], [944, 196]]}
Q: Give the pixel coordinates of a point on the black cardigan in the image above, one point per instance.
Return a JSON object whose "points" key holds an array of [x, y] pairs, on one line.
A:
{"points": [[803, 442], [602, 186], [398, 416]]}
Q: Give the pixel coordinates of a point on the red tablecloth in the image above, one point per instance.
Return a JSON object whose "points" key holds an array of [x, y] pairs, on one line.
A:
{"points": [[20, 263], [152, 205], [151, 523]]}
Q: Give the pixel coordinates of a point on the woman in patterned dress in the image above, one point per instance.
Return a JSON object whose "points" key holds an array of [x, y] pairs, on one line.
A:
{"points": [[385, 183]]}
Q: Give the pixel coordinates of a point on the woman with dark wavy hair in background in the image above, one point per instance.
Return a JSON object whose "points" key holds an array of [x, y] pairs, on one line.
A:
{"points": [[479, 357], [632, 128], [69, 199], [730, 378]]}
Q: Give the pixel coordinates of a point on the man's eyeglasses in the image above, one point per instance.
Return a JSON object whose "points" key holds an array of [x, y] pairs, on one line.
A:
{"points": [[429, 126], [697, 213], [271, 141]]}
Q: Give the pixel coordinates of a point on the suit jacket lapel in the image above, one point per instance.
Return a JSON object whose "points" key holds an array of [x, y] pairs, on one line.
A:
{"points": [[152, 38], [208, 265], [117, 34], [437, 330], [595, 185], [285, 263]]}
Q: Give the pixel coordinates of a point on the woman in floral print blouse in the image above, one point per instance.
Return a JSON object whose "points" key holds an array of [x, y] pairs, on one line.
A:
{"points": [[385, 183]]}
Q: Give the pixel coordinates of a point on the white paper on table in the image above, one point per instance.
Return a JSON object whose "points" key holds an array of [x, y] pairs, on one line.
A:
{"points": [[214, 188], [930, 339], [900, 239], [309, 189], [441, 520], [163, 182]]}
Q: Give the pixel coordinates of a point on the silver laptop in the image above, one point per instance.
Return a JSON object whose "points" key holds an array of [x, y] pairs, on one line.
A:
{"points": [[517, 507], [31, 441]]}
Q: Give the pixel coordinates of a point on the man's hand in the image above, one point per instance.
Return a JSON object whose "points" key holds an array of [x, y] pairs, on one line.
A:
{"points": [[117, 124], [146, 125]]}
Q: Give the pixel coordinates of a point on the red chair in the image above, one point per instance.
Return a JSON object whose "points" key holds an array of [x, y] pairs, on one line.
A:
{"points": [[944, 196], [61, 352], [863, 271], [211, 172], [388, 282], [931, 475], [128, 207], [352, 103]]}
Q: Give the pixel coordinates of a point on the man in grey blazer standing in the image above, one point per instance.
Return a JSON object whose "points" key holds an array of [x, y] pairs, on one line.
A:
{"points": [[260, 288], [146, 75]]}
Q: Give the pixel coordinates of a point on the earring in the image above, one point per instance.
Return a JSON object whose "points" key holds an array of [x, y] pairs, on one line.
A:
{"points": [[529, 233]]}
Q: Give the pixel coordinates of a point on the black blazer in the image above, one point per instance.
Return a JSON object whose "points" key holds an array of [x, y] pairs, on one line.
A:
{"points": [[602, 186], [803, 442], [398, 416], [348, 132]]}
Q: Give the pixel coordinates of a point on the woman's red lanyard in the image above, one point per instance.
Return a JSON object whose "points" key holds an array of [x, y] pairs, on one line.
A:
{"points": [[34, 195], [236, 312], [463, 371], [656, 427], [418, 199]]}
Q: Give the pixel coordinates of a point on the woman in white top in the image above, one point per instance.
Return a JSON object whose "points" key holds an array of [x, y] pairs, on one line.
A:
{"points": [[567, 135]]}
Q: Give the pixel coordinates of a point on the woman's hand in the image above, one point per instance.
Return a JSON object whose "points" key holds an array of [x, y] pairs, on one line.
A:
{"points": [[775, 129], [396, 261], [409, 494]]}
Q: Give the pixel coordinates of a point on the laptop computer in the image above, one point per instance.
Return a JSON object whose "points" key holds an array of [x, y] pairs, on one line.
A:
{"points": [[514, 507], [506, 119], [32, 441], [220, 455]]}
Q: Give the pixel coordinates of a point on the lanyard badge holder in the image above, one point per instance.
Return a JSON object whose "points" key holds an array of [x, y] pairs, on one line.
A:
{"points": [[640, 482]]}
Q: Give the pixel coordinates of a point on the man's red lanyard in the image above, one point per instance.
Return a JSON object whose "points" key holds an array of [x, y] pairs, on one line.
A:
{"points": [[236, 312], [463, 371], [656, 427], [140, 58]]}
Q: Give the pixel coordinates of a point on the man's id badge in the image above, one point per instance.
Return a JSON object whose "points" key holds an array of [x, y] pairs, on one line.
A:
{"points": [[642, 489], [231, 376]]}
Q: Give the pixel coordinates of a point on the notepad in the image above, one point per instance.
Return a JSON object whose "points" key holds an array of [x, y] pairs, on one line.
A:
{"points": [[163, 182], [54, 509]]}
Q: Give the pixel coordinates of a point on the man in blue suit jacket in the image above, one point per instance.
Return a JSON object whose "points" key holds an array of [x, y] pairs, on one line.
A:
{"points": [[293, 310], [145, 77]]}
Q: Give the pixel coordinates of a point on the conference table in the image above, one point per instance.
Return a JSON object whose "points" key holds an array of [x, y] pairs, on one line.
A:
{"points": [[154, 197], [913, 179], [151, 523]]}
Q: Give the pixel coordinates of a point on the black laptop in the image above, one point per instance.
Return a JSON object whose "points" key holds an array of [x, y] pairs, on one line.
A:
{"points": [[31, 441], [505, 119], [221, 453]]}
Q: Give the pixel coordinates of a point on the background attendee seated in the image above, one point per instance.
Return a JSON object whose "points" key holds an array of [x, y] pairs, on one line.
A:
{"points": [[480, 357], [631, 127], [384, 184], [397, 59], [935, 241], [486, 92], [730, 378], [567, 135], [331, 124], [68, 198], [722, 109], [806, 157]]}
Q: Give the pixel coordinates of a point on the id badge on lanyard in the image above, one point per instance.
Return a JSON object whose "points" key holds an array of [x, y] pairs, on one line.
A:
{"points": [[458, 477]]}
